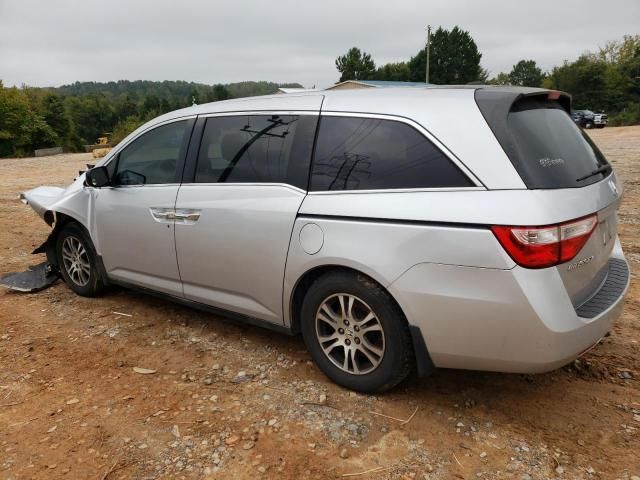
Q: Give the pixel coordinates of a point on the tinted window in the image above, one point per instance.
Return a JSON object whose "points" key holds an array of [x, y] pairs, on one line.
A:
{"points": [[549, 150], [256, 149], [152, 157], [366, 153]]}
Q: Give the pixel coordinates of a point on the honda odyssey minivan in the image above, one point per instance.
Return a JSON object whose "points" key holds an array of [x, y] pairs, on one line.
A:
{"points": [[465, 227]]}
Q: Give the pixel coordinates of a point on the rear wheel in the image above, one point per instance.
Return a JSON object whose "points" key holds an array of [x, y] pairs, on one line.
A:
{"points": [[356, 333], [589, 125], [77, 261]]}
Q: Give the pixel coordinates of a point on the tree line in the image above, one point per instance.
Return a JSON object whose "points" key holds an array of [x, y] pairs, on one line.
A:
{"points": [[607, 80], [74, 115]]}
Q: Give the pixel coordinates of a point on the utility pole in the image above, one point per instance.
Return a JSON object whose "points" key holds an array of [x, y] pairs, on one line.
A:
{"points": [[428, 48]]}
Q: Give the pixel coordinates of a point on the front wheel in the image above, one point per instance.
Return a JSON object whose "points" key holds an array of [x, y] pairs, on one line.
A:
{"points": [[77, 261], [356, 333], [589, 125]]}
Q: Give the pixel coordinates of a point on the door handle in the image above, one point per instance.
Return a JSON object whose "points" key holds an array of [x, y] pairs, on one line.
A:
{"points": [[163, 214], [187, 216]]}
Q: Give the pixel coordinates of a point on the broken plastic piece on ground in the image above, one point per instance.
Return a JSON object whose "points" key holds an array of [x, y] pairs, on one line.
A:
{"points": [[37, 277]]}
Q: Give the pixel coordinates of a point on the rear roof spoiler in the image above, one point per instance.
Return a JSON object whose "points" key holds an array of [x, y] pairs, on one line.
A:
{"points": [[495, 103]]}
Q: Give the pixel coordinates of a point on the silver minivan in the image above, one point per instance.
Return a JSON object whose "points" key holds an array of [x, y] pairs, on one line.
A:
{"points": [[396, 228]]}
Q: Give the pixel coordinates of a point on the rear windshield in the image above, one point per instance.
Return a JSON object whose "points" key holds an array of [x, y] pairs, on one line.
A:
{"points": [[548, 150]]}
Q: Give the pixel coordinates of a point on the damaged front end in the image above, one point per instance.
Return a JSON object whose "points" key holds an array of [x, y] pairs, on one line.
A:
{"points": [[56, 206], [41, 199]]}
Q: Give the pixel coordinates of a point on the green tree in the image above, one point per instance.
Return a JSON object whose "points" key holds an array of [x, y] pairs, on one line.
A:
{"points": [[71, 115], [619, 51], [526, 73], [220, 92], [125, 106], [92, 115], [125, 127], [398, 72], [585, 79], [40, 134], [22, 129], [454, 59], [164, 106], [56, 115], [500, 79], [14, 109], [355, 65], [150, 106]]}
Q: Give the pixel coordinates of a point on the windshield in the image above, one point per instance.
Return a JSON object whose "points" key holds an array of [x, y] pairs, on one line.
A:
{"points": [[550, 151]]}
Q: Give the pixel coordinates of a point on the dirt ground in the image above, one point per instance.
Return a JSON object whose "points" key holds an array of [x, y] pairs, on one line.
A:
{"points": [[232, 401]]}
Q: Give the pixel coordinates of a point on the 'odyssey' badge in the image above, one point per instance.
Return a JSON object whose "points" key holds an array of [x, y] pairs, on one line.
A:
{"points": [[581, 263]]}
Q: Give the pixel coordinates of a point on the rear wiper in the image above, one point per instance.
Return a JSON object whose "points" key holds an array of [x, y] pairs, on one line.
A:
{"points": [[601, 169]]}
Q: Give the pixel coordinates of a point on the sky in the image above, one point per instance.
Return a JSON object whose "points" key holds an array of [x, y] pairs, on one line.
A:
{"points": [[51, 43]]}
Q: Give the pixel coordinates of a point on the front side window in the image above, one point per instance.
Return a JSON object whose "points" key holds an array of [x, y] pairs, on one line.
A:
{"points": [[152, 157], [355, 153], [256, 149]]}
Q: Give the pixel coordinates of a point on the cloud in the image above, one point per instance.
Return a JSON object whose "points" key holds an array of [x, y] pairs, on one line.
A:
{"points": [[51, 43]]}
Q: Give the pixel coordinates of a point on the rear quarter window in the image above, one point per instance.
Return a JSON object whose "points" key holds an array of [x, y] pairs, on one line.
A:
{"points": [[356, 153]]}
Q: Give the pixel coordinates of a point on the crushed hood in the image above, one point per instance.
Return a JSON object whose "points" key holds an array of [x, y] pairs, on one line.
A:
{"points": [[72, 200]]}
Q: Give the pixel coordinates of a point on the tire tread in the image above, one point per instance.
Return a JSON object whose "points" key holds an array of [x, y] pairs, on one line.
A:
{"points": [[373, 289]]}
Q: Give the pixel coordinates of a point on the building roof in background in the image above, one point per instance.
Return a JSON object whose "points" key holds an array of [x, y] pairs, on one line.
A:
{"points": [[379, 84], [295, 90]]}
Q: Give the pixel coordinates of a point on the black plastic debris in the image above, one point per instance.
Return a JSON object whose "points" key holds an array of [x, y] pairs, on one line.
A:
{"points": [[37, 277]]}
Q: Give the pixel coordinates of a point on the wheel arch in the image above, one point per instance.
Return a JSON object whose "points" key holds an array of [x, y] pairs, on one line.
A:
{"points": [[422, 358], [58, 220]]}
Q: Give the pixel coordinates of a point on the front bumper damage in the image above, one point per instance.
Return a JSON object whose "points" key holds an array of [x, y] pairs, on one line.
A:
{"points": [[41, 199], [48, 203], [36, 278]]}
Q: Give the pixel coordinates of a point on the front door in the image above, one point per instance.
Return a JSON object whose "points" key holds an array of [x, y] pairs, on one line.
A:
{"points": [[239, 209], [134, 218]]}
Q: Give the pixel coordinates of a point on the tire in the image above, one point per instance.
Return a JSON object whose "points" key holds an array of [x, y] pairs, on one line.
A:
{"points": [[387, 332], [77, 261], [588, 125]]}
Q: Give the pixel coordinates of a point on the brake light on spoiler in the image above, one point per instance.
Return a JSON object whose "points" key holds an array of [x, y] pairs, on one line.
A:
{"points": [[541, 247]]}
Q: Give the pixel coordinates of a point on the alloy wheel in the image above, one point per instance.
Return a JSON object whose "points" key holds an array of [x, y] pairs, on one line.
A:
{"points": [[350, 333], [76, 261]]}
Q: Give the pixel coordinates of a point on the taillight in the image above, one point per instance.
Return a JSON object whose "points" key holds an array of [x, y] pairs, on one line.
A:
{"points": [[541, 247]]}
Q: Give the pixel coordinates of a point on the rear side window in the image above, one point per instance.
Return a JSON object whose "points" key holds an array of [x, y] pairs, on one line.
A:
{"points": [[354, 153], [547, 148], [256, 149]]}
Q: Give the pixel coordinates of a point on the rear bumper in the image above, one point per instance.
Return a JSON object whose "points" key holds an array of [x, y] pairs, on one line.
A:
{"points": [[517, 320]]}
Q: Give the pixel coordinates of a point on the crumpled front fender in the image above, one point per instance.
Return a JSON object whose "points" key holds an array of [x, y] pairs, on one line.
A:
{"points": [[41, 199], [49, 201]]}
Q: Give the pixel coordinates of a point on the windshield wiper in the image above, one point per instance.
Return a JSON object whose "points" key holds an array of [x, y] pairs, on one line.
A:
{"points": [[602, 169]]}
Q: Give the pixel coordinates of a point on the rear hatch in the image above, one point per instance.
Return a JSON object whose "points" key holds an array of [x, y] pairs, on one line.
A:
{"points": [[549, 151]]}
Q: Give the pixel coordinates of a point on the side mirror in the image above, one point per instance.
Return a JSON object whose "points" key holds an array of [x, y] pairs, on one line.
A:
{"points": [[97, 177]]}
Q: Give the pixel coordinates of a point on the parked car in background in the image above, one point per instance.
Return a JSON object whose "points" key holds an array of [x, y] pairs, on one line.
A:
{"points": [[589, 119], [387, 231]]}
